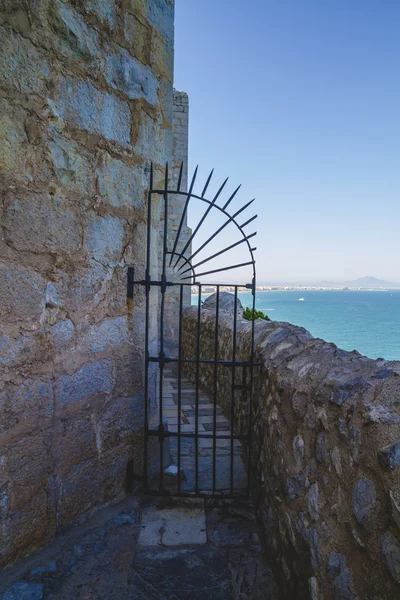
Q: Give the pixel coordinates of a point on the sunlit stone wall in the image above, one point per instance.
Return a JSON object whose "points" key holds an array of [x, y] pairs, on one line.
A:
{"points": [[86, 105], [325, 455]]}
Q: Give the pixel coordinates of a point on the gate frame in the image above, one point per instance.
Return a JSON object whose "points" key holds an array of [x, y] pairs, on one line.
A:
{"points": [[162, 360]]}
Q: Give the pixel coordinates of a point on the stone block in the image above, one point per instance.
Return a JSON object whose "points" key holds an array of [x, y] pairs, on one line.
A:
{"points": [[80, 491], [153, 143], [108, 333], [104, 239], [24, 591], [33, 399], [390, 456], [82, 105], [21, 294], [363, 499], [13, 141], [91, 379], [138, 38], [160, 14], [22, 67], [127, 75], [120, 184], [74, 441], [71, 166], [75, 37], [42, 223], [28, 527], [62, 334], [14, 351], [104, 10], [29, 463], [119, 422], [391, 552]]}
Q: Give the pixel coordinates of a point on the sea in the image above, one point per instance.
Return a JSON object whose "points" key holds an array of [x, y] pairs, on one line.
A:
{"points": [[367, 321]]}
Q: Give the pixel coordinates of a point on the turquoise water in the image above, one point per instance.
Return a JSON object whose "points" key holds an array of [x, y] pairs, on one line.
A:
{"points": [[367, 321]]}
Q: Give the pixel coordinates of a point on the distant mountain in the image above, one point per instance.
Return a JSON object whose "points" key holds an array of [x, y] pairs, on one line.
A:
{"points": [[370, 282]]}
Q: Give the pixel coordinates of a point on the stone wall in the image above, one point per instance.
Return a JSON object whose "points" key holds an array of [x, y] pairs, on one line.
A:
{"points": [[86, 105], [325, 456], [180, 154]]}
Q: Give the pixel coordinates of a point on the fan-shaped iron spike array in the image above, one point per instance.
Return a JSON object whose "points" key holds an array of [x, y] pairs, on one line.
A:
{"points": [[179, 259]]}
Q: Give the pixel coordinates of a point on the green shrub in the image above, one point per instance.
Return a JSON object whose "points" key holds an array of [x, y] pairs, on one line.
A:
{"points": [[251, 315]]}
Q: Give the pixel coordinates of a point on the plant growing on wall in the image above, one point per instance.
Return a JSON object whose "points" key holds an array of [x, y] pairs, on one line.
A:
{"points": [[251, 314]]}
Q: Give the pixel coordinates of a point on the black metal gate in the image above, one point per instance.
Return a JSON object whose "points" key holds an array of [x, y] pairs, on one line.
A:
{"points": [[193, 445]]}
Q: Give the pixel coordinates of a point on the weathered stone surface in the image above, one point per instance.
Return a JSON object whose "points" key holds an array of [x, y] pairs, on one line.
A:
{"points": [[82, 105], [391, 552], [24, 591], [380, 414], [390, 456], [70, 164], [321, 452], [339, 447], [103, 9], [110, 332], [312, 498], [62, 334], [126, 74], [22, 67], [294, 486], [21, 292], [119, 184], [13, 142], [92, 378], [104, 239], [336, 461], [75, 34], [32, 399], [363, 499], [340, 577], [42, 223], [226, 303], [348, 390], [87, 105]]}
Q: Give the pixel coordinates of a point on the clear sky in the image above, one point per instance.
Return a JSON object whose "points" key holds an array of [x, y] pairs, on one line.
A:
{"points": [[299, 101]]}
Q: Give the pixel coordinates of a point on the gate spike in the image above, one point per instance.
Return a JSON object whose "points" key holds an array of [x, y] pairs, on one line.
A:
{"points": [[200, 223], [232, 197], [245, 239], [249, 221], [183, 214], [221, 228], [207, 183]]}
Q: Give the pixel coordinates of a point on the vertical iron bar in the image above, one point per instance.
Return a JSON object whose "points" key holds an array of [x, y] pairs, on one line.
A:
{"points": [[215, 392], [233, 380], [162, 356], [253, 291], [197, 392], [179, 386], [146, 349]]}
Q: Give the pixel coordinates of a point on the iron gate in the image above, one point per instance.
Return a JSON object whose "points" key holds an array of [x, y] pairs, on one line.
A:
{"points": [[195, 433]]}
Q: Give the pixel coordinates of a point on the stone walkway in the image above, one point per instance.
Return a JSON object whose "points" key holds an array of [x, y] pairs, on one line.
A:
{"points": [[224, 448], [146, 549]]}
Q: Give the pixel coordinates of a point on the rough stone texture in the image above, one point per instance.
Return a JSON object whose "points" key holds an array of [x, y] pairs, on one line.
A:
{"points": [[180, 123], [110, 557], [86, 105], [323, 458]]}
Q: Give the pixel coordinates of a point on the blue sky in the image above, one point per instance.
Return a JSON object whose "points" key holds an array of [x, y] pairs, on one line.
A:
{"points": [[299, 101]]}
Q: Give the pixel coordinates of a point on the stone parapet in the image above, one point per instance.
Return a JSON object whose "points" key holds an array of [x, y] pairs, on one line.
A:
{"points": [[325, 458]]}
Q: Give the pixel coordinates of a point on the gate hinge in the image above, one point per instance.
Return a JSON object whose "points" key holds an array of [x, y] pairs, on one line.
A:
{"points": [[131, 279]]}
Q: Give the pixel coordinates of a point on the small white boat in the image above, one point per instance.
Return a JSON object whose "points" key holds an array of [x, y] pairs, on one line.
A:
{"points": [[301, 299]]}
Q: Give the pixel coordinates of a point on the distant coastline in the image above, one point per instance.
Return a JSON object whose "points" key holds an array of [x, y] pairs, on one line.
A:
{"points": [[211, 289]]}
